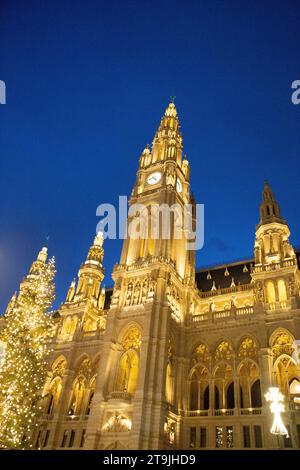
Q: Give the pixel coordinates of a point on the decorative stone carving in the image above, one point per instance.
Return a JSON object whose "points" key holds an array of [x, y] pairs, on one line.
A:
{"points": [[259, 292], [139, 291], [170, 176], [174, 301], [292, 286], [248, 348], [283, 344], [224, 351], [132, 339], [117, 423], [85, 368], [200, 354], [170, 430]]}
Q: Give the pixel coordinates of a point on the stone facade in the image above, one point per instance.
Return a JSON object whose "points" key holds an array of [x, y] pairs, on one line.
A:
{"points": [[171, 358]]}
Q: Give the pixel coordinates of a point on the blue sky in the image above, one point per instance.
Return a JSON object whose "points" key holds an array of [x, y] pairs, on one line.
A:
{"points": [[87, 83]]}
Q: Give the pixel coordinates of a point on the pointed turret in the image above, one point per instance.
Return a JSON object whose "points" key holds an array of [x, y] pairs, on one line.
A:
{"points": [[275, 266], [269, 208], [71, 291], [167, 142], [272, 233], [91, 272]]}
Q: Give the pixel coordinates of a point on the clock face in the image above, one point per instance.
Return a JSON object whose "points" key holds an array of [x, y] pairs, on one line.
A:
{"points": [[178, 185], [154, 178]]}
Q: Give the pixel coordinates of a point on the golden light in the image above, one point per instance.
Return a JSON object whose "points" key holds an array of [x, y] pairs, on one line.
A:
{"points": [[277, 407]]}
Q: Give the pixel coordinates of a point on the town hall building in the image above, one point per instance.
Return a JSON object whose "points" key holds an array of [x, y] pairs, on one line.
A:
{"points": [[173, 357]]}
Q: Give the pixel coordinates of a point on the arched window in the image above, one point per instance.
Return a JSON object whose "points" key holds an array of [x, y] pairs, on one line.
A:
{"points": [[241, 398], [223, 377], [271, 295], [169, 383], [206, 398], [248, 374], [91, 396], [128, 372], [295, 387], [282, 293], [54, 394], [77, 394], [217, 398], [53, 386], [230, 396], [256, 395], [194, 392]]}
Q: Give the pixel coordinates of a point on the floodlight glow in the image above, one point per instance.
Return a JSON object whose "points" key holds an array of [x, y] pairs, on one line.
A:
{"points": [[277, 407]]}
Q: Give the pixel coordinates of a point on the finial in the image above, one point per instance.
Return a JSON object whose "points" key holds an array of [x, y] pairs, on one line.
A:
{"points": [[98, 241], [172, 98]]}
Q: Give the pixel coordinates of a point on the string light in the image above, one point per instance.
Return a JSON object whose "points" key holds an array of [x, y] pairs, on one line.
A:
{"points": [[23, 368]]}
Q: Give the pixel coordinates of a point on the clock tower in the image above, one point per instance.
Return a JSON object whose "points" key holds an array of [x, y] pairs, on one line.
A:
{"points": [[154, 285], [162, 187]]}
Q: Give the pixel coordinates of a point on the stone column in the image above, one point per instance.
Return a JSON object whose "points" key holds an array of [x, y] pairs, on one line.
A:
{"points": [[237, 404]]}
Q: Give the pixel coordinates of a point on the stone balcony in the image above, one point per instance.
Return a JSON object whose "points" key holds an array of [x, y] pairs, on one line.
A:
{"points": [[221, 412], [274, 266], [221, 315], [118, 396]]}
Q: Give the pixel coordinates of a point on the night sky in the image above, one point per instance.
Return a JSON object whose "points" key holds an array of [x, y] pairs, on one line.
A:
{"points": [[87, 83]]}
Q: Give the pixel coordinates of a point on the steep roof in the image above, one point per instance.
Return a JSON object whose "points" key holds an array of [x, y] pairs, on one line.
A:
{"points": [[222, 275]]}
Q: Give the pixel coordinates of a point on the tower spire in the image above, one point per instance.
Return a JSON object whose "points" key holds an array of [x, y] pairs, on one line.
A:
{"points": [[167, 143], [269, 208], [90, 275]]}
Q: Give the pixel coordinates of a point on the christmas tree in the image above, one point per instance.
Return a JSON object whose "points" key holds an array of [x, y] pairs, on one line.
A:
{"points": [[23, 365]]}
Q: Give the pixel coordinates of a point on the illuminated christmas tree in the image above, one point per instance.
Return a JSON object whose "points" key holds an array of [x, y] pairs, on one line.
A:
{"points": [[23, 366]]}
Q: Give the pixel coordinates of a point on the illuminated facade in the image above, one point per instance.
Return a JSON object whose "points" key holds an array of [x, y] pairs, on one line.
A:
{"points": [[171, 358]]}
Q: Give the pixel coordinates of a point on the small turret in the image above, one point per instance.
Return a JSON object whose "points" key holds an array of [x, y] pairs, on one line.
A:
{"points": [[91, 273], [269, 208], [71, 291]]}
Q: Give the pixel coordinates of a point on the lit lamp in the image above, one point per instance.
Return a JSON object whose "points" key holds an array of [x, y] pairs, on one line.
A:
{"points": [[277, 407]]}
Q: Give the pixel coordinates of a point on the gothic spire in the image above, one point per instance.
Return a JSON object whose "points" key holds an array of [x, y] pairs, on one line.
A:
{"points": [[167, 142], [91, 273], [269, 208]]}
